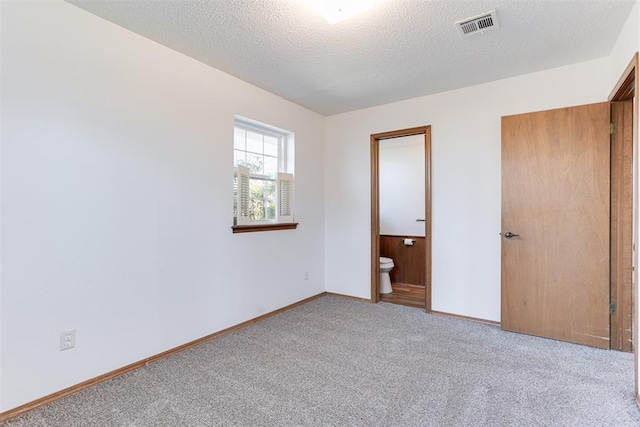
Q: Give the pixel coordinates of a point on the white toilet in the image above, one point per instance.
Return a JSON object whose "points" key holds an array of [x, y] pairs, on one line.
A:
{"points": [[386, 264]]}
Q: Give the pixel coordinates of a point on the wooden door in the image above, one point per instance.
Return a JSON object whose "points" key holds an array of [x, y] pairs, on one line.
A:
{"points": [[555, 224]]}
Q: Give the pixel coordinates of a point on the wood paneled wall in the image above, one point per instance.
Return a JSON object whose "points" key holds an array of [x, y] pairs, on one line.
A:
{"points": [[409, 261]]}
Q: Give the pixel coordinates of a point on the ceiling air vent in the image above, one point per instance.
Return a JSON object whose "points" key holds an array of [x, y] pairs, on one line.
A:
{"points": [[478, 24]]}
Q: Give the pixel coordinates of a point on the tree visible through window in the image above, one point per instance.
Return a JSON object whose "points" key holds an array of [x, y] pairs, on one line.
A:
{"points": [[263, 183]]}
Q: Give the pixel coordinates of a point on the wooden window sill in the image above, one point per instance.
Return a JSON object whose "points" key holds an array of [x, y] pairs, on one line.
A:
{"points": [[264, 227]]}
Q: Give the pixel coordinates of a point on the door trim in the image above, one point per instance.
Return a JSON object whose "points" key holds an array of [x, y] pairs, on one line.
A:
{"points": [[375, 207], [621, 224], [626, 88]]}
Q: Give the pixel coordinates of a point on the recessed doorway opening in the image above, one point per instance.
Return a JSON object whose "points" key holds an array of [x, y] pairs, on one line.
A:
{"points": [[401, 180]]}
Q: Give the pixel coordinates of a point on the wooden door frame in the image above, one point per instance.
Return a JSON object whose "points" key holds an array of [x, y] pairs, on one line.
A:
{"points": [[621, 223], [375, 207], [627, 88]]}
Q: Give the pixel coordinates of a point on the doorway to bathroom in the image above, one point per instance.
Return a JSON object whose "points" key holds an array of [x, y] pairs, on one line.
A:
{"points": [[401, 217]]}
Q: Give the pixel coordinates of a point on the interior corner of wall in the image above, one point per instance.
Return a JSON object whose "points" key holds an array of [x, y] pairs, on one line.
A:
{"points": [[2, 408]]}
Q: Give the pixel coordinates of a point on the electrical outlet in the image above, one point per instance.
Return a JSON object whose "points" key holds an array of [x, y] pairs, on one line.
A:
{"points": [[67, 340], [306, 275]]}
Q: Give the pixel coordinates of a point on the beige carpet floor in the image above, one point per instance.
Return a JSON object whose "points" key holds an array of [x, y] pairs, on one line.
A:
{"points": [[337, 362]]}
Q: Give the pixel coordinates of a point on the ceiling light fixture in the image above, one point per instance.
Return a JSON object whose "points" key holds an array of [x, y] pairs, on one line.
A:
{"points": [[334, 11]]}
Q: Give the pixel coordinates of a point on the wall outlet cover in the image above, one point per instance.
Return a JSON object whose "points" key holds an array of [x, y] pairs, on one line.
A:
{"points": [[67, 340]]}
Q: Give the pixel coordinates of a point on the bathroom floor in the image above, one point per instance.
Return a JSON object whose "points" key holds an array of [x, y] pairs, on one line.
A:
{"points": [[412, 295]]}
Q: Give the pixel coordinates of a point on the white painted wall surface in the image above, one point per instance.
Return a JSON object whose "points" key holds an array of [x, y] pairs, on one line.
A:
{"points": [[1, 127], [117, 200], [627, 44], [466, 180], [401, 177]]}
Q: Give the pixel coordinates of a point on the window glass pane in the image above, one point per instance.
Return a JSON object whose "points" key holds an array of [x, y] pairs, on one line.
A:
{"points": [[238, 158], [254, 142], [238, 138], [271, 146], [255, 163], [256, 189], [270, 166], [270, 200], [263, 196]]}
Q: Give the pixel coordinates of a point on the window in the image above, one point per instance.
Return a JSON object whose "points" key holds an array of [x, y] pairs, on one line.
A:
{"points": [[263, 177]]}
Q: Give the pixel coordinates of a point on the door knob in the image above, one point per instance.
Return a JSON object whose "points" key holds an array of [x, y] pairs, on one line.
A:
{"points": [[509, 235], [420, 220]]}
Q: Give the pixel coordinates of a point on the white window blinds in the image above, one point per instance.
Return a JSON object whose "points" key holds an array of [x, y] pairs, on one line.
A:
{"points": [[243, 196], [285, 197]]}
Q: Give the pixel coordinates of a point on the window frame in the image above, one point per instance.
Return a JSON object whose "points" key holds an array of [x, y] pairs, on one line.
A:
{"points": [[285, 166]]}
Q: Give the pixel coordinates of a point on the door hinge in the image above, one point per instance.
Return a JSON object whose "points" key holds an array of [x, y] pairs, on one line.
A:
{"points": [[613, 129], [612, 308]]}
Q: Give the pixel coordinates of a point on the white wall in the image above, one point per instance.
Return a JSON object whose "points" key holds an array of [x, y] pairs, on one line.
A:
{"points": [[627, 44], [1, 127], [466, 180], [117, 200], [401, 177]]}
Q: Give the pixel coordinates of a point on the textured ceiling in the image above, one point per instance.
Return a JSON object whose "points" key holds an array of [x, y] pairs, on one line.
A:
{"points": [[397, 50]]}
